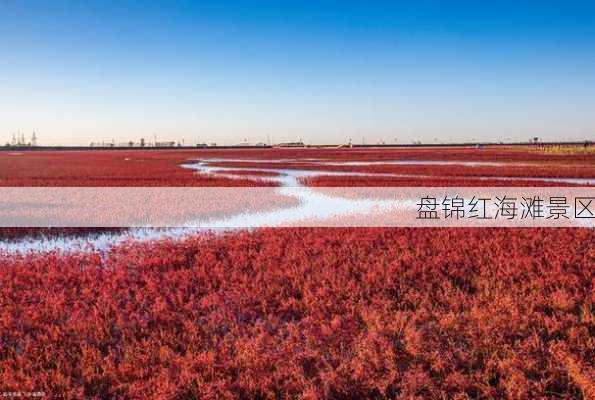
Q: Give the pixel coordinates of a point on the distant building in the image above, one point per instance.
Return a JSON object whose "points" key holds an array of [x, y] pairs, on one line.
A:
{"points": [[165, 144], [291, 144]]}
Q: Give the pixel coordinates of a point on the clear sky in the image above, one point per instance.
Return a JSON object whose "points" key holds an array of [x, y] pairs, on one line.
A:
{"points": [[324, 71]]}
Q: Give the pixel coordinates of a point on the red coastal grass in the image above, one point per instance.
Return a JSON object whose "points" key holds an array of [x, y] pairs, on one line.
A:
{"points": [[251, 172], [469, 153], [302, 313], [520, 154], [108, 168], [162, 168], [382, 181], [311, 313], [461, 171]]}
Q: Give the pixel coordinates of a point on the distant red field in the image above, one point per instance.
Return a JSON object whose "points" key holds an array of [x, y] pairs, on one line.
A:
{"points": [[429, 181], [162, 168], [302, 313], [106, 168]]}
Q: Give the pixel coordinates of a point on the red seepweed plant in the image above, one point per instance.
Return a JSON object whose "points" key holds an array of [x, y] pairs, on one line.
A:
{"points": [[313, 313], [301, 313]]}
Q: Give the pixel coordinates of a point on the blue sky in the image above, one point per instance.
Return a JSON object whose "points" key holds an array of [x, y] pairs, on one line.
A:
{"points": [[323, 71]]}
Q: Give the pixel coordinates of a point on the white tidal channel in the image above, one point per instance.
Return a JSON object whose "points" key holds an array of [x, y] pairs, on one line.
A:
{"points": [[312, 204]]}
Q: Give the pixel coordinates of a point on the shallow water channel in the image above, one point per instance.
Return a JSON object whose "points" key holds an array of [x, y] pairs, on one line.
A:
{"points": [[312, 203]]}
